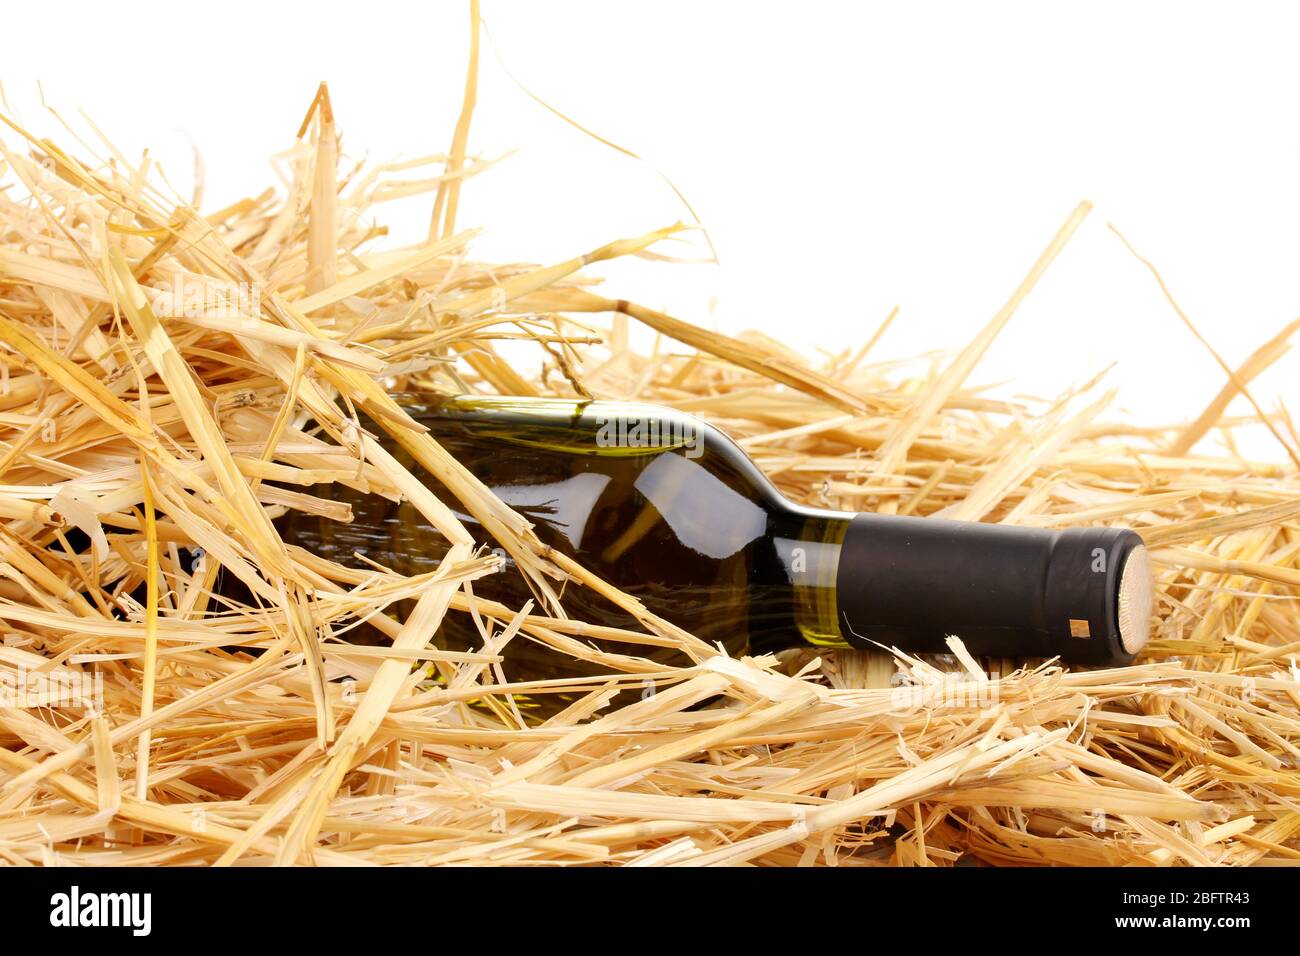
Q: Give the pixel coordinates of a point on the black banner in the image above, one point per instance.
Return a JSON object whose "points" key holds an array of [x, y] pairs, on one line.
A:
{"points": [[522, 906]]}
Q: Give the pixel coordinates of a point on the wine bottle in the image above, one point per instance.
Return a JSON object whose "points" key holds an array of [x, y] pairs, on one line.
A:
{"points": [[672, 511]]}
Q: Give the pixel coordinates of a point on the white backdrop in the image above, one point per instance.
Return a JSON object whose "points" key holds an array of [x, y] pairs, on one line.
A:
{"points": [[845, 157]]}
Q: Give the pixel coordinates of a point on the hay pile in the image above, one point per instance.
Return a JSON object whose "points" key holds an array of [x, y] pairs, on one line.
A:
{"points": [[134, 429]]}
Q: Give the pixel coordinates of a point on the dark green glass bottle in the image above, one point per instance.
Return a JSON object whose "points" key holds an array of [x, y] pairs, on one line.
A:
{"points": [[673, 512]]}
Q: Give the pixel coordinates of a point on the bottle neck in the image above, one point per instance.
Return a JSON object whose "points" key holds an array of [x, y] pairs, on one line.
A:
{"points": [[808, 544]]}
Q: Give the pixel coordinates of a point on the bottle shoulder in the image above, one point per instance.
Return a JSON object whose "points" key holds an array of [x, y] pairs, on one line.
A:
{"points": [[527, 410], [576, 426]]}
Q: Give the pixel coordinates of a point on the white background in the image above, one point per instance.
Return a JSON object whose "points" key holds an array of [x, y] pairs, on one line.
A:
{"points": [[845, 157]]}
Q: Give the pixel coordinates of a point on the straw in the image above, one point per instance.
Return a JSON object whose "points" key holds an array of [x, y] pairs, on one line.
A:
{"points": [[143, 446]]}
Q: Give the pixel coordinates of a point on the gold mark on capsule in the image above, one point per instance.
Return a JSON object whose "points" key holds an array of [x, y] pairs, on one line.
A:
{"points": [[1079, 628]]}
